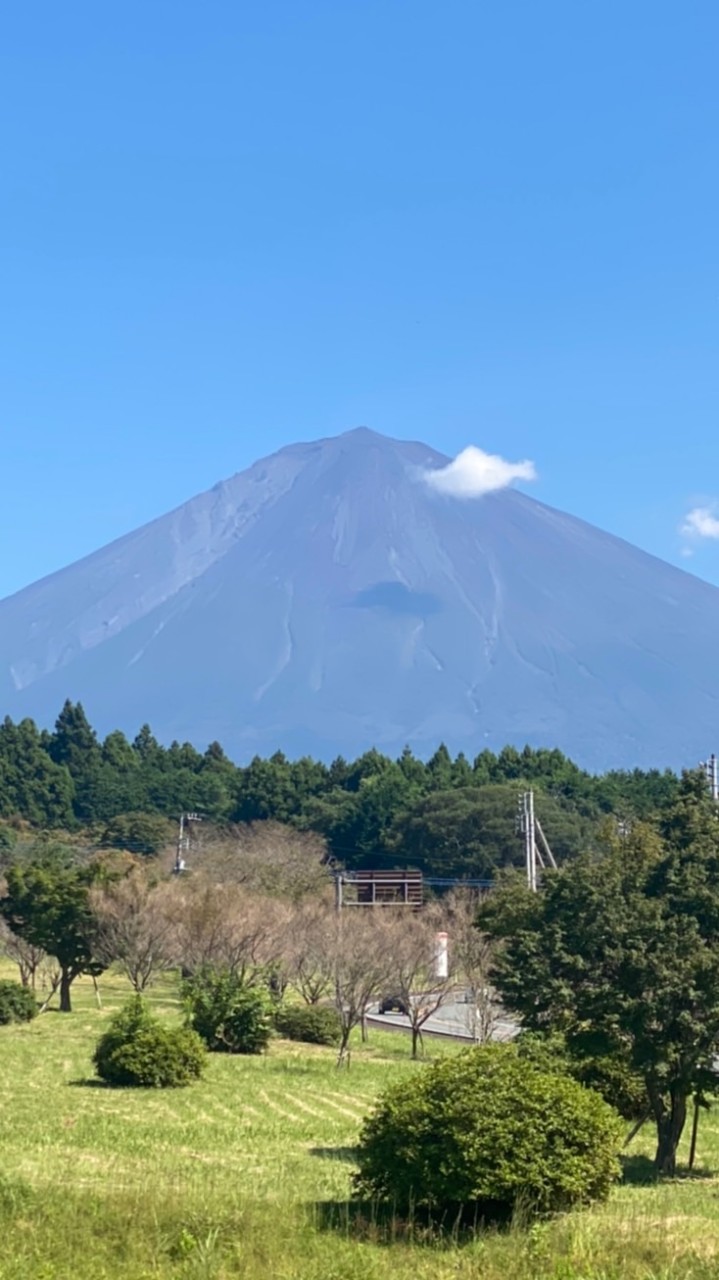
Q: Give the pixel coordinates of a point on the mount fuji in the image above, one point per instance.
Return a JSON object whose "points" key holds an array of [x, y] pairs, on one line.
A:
{"points": [[329, 598]]}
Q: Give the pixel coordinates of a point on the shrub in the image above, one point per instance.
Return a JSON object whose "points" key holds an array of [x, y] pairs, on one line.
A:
{"points": [[17, 1003], [489, 1130], [229, 1016], [144, 833], [312, 1023], [611, 1076], [137, 1050]]}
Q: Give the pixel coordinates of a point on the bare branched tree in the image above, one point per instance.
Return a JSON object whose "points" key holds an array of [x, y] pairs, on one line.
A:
{"points": [[49, 977], [472, 957], [357, 947], [308, 959], [415, 977], [265, 857], [224, 927], [134, 927], [24, 954]]}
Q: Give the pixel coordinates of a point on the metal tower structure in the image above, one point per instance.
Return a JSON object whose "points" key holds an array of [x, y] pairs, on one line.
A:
{"points": [[183, 840], [536, 855]]}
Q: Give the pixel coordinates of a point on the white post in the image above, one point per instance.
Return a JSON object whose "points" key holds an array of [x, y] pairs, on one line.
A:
{"points": [[441, 956], [530, 847]]}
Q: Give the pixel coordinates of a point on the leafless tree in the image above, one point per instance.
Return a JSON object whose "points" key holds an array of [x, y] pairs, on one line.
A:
{"points": [[357, 950], [222, 926], [134, 927], [308, 958], [267, 858], [414, 975], [24, 954], [49, 975], [472, 957]]}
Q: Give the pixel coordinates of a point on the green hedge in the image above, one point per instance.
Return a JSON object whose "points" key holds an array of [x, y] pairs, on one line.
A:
{"points": [[229, 1016], [17, 1003], [311, 1023], [491, 1130], [138, 1050]]}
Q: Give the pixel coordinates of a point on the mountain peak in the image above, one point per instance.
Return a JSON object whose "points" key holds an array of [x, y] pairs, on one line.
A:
{"points": [[325, 600]]}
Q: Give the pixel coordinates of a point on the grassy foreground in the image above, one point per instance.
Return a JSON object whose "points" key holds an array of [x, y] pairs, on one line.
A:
{"points": [[246, 1174]]}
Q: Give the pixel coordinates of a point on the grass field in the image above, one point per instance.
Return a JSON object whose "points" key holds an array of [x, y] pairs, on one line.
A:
{"points": [[247, 1174]]}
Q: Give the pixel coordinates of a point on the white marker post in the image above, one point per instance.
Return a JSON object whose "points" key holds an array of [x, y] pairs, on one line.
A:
{"points": [[441, 956]]}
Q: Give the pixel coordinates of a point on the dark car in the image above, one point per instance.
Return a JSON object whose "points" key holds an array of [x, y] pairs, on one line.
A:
{"points": [[393, 1004]]}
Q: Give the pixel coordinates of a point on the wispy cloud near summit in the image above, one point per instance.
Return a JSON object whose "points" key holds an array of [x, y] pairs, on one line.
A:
{"points": [[700, 522], [473, 473]]}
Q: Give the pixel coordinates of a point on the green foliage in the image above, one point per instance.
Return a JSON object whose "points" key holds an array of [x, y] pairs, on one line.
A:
{"points": [[611, 1076], [7, 839], [32, 785], [47, 904], [144, 833], [471, 830], [228, 1015], [138, 1050], [491, 1130], [449, 816], [312, 1023], [621, 954], [17, 1003]]}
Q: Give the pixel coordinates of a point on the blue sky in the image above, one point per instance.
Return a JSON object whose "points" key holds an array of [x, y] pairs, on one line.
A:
{"points": [[229, 226]]}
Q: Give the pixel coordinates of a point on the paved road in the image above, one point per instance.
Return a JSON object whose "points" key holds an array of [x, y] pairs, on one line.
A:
{"points": [[453, 1021]]}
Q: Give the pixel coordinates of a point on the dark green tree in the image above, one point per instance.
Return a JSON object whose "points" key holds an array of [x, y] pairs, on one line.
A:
{"points": [[32, 785], [620, 953], [357, 823], [47, 904], [142, 833], [471, 831], [74, 742]]}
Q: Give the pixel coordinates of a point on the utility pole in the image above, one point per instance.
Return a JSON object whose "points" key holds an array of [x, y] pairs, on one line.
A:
{"points": [[183, 840], [530, 827], [527, 823], [711, 772]]}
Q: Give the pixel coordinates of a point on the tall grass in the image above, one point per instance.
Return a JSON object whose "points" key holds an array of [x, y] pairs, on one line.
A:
{"points": [[247, 1174]]}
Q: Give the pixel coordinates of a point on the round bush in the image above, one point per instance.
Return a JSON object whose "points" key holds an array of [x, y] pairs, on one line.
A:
{"points": [[229, 1016], [17, 1003], [137, 1050], [611, 1076], [490, 1130], [311, 1023]]}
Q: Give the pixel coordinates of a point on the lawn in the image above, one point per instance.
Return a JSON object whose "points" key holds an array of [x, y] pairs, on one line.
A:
{"points": [[247, 1174]]}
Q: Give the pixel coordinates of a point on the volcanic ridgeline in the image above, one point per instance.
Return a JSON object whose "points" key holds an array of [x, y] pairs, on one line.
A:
{"points": [[328, 599]]}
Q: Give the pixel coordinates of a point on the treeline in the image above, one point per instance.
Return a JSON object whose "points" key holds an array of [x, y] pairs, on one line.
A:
{"points": [[447, 815]]}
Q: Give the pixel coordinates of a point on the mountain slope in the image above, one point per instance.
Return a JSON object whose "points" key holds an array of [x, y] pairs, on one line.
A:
{"points": [[327, 599]]}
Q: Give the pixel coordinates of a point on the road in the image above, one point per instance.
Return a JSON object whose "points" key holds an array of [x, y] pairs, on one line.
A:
{"points": [[452, 1021]]}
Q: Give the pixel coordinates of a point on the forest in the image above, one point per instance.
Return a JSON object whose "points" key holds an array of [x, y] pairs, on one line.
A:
{"points": [[446, 816]]}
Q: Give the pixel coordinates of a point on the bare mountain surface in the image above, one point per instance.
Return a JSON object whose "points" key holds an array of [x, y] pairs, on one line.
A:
{"points": [[327, 599]]}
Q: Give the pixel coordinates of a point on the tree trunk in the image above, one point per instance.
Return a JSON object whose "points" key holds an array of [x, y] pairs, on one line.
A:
{"points": [[65, 981], [344, 1041], [670, 1125], [416, 1041]]}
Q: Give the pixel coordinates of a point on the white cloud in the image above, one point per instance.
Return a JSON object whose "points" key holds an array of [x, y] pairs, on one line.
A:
{"points": [[474, 472], [700, 522]]}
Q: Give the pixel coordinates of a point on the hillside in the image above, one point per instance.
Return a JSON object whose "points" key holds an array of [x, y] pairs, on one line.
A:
{"points": [[328, 599]]}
